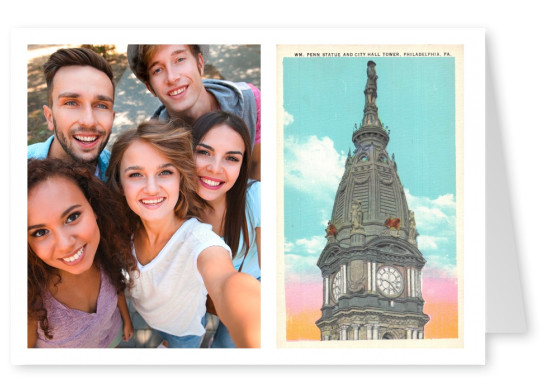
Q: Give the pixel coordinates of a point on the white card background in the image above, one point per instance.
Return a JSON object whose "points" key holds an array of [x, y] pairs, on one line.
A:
{"points": [[401, 352], [517, 82]]}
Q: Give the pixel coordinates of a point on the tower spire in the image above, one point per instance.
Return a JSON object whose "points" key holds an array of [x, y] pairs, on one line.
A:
{"points": [[371, 130]]}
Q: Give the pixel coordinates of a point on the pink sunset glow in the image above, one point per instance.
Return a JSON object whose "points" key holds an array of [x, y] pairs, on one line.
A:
{"points": [[303, 307]]}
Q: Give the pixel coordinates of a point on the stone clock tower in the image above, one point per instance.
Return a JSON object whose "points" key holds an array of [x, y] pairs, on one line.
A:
{"points": [[371, 266]]}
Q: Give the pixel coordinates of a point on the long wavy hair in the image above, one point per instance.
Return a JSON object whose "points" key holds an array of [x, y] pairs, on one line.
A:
{"points": [[235, 218], [173, 140], [113, 255]]}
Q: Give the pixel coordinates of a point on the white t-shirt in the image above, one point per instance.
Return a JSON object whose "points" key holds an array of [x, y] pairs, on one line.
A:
{"points": [[169, 293]]}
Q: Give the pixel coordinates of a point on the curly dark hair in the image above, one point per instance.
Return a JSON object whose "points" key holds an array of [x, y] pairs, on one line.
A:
{"points": [[114, 254]]}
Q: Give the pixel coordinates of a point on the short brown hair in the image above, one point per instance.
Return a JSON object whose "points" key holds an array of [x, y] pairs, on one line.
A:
{"points": [[140, 55], [74, 56], [175, 142]]}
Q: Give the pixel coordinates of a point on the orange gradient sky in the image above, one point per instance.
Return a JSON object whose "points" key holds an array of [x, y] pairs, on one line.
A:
{"points": [[303, 303]]}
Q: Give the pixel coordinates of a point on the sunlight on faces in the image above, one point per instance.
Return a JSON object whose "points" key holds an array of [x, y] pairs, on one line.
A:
{"points": [[82, 113], [62, 227], [175, 77], [218, 160], [150, 182]]}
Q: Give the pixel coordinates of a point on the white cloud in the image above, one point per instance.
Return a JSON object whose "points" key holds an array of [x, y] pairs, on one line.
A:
{"points": [[288, 247], [301, 256], [301, 268], [313, 166], [432, 214], [446, 201], [288, 118], [313, 245], [427, 242], [435, 220]]}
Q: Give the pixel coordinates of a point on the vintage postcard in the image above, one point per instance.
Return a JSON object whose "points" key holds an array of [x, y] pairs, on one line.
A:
{"points": [[372, 187]]}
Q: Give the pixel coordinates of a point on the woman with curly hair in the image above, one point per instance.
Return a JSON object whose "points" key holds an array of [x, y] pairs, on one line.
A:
{"points": [[78, 257]]}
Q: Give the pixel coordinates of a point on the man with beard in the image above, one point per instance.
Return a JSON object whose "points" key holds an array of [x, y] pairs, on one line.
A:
{"points": [[80, 109]]}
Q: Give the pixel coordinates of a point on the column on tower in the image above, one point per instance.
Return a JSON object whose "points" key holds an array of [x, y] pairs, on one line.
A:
{"points": [[344, 279], [412, 282], [356, 328], [343, 332], [371, 273], [326, 290], [369, 331]]}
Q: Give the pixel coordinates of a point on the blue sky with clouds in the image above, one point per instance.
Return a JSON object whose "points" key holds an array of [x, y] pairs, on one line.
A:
{"points": [[323, 100]]}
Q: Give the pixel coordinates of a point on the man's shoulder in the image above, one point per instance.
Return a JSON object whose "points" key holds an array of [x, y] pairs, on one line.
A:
{"points": [[227, 84], [105, 155], [39, 150]]}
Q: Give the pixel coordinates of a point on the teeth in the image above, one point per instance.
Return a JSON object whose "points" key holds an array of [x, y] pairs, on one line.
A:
{"points": [[178, 91], [75, 257], [152, 202], [210, 182], [86, 139]]}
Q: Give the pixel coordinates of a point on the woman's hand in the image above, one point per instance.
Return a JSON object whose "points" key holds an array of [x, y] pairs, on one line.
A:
{"points": [[127, 331]]}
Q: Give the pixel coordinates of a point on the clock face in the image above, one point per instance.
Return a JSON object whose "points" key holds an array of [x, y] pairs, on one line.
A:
{"points": [[389, 281], [337, 286]]}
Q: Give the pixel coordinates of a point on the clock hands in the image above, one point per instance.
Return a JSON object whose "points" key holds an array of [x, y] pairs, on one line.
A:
{"points": [[391, 283]]}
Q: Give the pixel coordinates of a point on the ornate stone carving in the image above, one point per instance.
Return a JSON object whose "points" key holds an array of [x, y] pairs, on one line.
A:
{"points": [[356, 216], [357, 276], [412, 236]]}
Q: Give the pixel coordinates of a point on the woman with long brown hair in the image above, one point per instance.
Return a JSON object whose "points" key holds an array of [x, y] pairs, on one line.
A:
{"points": [[222, 150]]}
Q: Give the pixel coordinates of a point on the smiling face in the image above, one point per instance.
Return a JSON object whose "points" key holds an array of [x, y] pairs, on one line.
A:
{"points": [[175, 78], [81, 114], [218, 159], [150, 182], [62, 227]]}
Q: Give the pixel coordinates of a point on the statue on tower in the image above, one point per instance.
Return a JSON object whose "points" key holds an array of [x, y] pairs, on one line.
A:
{"points": [[412, 237], [331, 230], [371, 86], [356, 215]]}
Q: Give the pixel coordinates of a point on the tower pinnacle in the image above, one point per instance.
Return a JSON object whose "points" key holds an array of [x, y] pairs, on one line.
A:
{"points": [[371, 129]]}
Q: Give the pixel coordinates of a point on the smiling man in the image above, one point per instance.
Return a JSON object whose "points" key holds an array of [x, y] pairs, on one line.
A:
{"points": [[80, 109], [174, 74]]}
